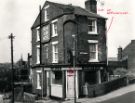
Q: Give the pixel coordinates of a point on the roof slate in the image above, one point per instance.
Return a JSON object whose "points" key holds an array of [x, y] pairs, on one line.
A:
{"points": [[74, 9], [77, 10]]}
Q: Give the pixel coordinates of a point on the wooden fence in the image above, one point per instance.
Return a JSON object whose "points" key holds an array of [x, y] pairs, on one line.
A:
{"points": [[103, 88]]}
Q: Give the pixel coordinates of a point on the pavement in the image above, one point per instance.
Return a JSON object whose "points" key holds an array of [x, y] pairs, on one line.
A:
{"points": [[111, 95]]}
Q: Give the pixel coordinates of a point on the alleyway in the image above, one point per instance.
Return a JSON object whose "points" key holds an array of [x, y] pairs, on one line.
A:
{"points": [[120, 92]]}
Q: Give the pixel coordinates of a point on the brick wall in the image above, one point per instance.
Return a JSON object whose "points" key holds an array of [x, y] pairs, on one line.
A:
{"points": [[83, 37], [128, 53]]}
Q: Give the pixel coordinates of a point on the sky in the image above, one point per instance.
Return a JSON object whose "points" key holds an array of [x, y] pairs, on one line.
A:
{"points": [[17, 17]]}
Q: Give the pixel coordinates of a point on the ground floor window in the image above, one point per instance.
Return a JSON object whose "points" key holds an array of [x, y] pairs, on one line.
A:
{"points": [[39, 78], [90, 77], [56, 77]]}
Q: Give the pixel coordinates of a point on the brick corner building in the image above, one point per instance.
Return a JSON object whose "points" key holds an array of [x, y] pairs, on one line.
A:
{"points": [[59, 32]]}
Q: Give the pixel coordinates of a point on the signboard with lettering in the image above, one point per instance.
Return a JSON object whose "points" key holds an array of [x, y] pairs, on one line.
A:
{"points": [[46, 33]]}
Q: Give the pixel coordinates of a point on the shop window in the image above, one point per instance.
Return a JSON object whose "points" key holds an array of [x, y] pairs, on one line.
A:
{"points": [[90, 77], [57, 77]]}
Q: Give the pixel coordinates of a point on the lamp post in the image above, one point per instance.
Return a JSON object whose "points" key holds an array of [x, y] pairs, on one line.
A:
{"points": [[74, 62]]}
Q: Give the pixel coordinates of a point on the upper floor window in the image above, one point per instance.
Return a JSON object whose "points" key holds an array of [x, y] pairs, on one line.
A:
{"points": [[54, 28], [92, 26], [55, 52], [46, 13], [46, 51], [38, 33], [38, 55], [93, 51]]}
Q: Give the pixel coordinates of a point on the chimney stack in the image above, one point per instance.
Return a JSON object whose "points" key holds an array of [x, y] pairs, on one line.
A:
{"points": [[119, 53], [91, 6]]}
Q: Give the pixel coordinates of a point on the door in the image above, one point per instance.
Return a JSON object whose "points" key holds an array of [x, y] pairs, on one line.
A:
{"points": [[70, 85]]}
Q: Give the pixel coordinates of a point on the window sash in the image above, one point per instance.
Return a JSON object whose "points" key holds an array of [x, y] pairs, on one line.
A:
{"points": [[39, 77], [38, 34], [54, 28], [55, 53], [93, 52], [56, 77], [38, 55], [46, 13], [92, 28], [46, 52]]}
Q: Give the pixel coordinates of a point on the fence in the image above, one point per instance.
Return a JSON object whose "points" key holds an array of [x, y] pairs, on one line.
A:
{"points": [[100, 89]]}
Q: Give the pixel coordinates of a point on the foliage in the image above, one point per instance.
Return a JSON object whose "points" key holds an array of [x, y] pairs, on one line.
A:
{"points": [[5, 77], [120, 71]]}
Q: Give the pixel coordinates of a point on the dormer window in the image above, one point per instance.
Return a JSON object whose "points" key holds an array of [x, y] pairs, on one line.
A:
{"points": [[46, 13], [92, 26]]}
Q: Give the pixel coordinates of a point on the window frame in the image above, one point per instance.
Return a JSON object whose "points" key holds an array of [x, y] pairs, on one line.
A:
{"points": [[96, 44], [46, 51], [95, 26], [38, 34], [54, 59], [46, 18], [53, 28], [54, 79], [37, 54], [39, 77]]}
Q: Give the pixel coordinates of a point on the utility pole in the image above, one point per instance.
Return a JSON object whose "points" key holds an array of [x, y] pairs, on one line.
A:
{"points": [[74, 62], [11, 37], [40, 33]]}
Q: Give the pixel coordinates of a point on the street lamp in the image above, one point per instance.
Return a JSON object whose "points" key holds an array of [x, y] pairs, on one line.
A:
{"points": [[74, 62]]}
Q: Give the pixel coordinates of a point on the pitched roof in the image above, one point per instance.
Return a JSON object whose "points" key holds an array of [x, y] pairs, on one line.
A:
{"points": [[67, 7], [77, 10]]}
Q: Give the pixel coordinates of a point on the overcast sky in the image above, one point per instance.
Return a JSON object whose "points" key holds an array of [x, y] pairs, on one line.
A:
{"points": [[17, 17]]}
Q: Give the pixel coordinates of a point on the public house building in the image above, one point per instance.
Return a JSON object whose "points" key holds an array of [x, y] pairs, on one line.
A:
{"points": [[68, 49]]}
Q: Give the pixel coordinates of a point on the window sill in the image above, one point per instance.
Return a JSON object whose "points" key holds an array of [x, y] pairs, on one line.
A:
{"points": [[94, 60], [55, 62], [54, 35], [92, 33], [38, 88]]}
